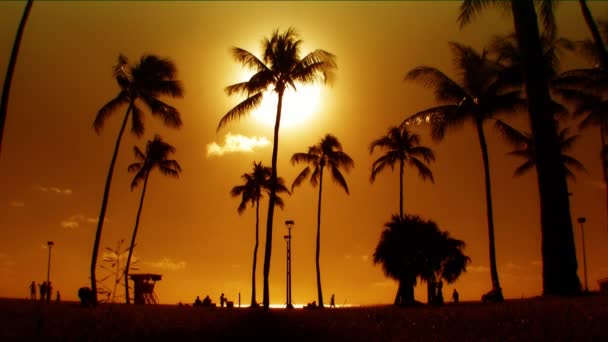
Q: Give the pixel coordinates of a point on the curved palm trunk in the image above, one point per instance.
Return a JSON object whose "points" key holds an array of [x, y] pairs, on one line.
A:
{"points": [[6, 89], [104, 204], [318, 251], [497, 291], [595, 33], [401, 188], [141, 204], [559, 256], [255, 252], [273, 196], [604, 158]]}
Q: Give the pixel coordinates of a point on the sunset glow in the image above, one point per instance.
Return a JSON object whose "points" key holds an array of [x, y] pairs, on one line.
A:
{"points": [[299, 107]]}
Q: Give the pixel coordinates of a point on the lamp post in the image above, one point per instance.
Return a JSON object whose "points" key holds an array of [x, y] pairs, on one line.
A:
{"points": [[287, 237], [582, 221], [48, 273]]}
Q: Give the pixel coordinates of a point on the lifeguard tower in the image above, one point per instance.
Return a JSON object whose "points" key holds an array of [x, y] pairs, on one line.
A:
{"points": [[144, 288]]}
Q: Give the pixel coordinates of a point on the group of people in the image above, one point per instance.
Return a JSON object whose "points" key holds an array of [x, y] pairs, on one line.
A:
{"points": [[206, 302], [45, 290], [313, 305]]}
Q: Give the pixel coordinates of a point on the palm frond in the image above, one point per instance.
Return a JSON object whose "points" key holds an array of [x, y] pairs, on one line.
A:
{"points": [[137, 121], [510, 134], [524, 168], [469, 8], [381, 163], [423, 170], [241, 109], [339, 178], [107, 109], [444, 88], [300, 178], [169, 114], [248, 59]]}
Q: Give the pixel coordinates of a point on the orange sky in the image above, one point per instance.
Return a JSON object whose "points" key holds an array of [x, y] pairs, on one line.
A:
{"points": [[53, 165]]}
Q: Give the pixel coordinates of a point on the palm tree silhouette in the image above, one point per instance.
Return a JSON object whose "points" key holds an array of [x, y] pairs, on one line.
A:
{"points": [[479, 96], [280, 68], [328, 152], [524, 148], [402, 146], [155, 157], [559, 256], [10, 70], [146, 81], [256, 183]]}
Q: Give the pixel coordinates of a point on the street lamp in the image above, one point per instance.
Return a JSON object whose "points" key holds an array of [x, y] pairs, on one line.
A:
{"points": [[48, 272], [582, 221], [287, 237]]}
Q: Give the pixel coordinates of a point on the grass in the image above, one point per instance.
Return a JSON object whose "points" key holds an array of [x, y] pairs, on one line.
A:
{"points": [[541, 319]]}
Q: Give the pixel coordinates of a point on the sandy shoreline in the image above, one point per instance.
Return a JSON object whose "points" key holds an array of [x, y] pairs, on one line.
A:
{"points": [[565, 319]]}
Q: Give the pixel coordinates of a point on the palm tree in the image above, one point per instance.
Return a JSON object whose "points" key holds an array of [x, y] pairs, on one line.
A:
{"points": [[479, 95], [403, 146], [598, 42], [328, 152], [256, 183], [146, 82], [411, 247], [10, 70], [524, 148], [559, 256], [280, 68], [157, 152]]}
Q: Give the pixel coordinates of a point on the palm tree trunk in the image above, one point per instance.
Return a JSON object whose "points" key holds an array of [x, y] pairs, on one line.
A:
{"points": [[486, 170], [595, 33], [401, 188], [273, 196], [559, 256], [255, 252], [6, 89], [604, 157], [318, 251], [104, 204], [405, 293], [132, 246]]}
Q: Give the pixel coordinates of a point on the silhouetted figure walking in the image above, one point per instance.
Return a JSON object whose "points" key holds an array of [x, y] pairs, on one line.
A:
{"points": [[222, 300], [198, 302], [33, 291], [42, 288], [455, 296], [86, 296], [58, 297], [332, 301], [439, 296]]}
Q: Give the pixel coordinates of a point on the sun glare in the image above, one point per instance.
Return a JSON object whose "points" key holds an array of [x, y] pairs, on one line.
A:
{"points": [[298, 106]]}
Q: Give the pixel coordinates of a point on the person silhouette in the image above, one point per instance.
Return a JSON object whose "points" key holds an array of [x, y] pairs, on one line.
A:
{"points": [[455, 296], [42, 288], [332, 301], [197, 301], [222, 300], [58, 297], [49, 290], [439, 297], [33, 291], [207, 301]]}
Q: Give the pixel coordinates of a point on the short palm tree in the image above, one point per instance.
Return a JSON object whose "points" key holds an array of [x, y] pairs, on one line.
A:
{"points": [[402, 146], [256, 183], [145, 81], [479, 95], [524, 148], [10, 70], [559, 256], [280, 68], [155, 157], [327, 153]]}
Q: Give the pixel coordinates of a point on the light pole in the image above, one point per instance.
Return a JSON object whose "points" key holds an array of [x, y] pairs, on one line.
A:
{"points": [[582, 221], [48, 273], [287, 237]]}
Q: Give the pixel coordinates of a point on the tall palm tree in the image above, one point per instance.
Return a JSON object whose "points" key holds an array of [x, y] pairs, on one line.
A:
{"points": [[479, 95], [10, 70], [598, 42], [256, 183], [280, 68], [524, 148], [402, 146], [328, 152], [145, 81], [559, 256], [155, 157]]}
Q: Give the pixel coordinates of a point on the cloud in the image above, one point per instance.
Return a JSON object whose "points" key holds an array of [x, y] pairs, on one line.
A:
{"points": [[53, 189], [236, 143], [478, 269], [74, 221], [365, 258], [167, 264], [17, 204]]}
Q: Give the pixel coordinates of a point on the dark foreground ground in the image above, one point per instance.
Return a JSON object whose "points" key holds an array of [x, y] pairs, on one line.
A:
{"points": [[543, 319]]}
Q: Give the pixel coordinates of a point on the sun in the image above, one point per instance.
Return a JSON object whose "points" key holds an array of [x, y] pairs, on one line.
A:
{"points": [[298, 106]]}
